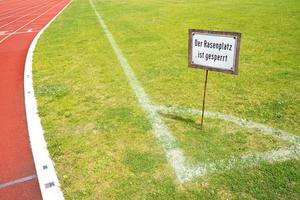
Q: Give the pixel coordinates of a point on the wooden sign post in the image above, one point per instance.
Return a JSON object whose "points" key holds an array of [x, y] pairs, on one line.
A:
{"points": [[215, 51]]}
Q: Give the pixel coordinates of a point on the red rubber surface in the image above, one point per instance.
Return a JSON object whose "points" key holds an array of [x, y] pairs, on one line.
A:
{"points": [[19, 22]]}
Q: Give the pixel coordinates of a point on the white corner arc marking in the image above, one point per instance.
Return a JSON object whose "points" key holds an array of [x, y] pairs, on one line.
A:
{"points": [[252, 159], [47, 178]]}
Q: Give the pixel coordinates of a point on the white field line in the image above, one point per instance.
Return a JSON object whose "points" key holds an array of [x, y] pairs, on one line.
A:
{"points": [[161, 131], [48, 181], [253, 159], [184, 170], [283, 154], [267, 130]]}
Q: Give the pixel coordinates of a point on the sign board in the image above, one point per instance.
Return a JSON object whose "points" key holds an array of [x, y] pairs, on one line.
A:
{"points": [[214, 50]]}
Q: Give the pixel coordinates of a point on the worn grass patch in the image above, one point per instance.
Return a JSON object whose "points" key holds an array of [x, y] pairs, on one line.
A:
{"points": [[98, 135], [141, 162]]}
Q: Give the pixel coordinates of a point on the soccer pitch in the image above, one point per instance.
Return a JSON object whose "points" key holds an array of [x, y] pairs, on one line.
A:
{"points": [[120, 108]]}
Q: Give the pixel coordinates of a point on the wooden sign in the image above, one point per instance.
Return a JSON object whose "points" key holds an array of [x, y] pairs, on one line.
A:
{"points": [[214, 50]]}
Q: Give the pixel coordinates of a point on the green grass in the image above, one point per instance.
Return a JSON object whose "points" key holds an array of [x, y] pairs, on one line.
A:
{"points": [[101, 140], [218, 140]]}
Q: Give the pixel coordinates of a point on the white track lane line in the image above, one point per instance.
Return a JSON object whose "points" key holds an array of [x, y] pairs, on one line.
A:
{"points": [[24, 32], [21, 17], [25, 8], [13, 10], [28, 9], [48, 181], [16, 7], [3, 39], [16, 181]]}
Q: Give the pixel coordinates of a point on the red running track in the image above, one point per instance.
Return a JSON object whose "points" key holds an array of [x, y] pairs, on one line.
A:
{"points": [[20, 21]]}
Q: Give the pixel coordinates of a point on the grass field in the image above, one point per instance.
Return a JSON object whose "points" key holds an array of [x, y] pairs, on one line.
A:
{"points": [[101, 139]]}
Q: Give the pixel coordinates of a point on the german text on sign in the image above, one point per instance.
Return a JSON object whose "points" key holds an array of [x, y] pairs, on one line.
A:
{"points": [[214, 50]]}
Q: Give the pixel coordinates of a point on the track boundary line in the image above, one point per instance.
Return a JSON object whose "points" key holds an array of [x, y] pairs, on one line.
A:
{"points": [[47, 177]]}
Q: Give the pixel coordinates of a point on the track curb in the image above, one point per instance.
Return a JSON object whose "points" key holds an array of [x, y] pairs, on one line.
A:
{"points": [[46, 174]]}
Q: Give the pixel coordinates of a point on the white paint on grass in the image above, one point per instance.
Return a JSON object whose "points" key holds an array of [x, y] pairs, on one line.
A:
{"points": [[267, 130], [253, 159], [161, 131], [183, 169], [48, 181], [250, 160]]}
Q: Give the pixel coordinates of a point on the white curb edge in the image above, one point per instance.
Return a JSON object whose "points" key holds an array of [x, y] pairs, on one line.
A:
{"points": [[47, 178]]}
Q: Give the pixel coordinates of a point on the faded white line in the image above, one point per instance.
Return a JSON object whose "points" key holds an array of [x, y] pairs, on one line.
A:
{"points": [[19, 33], [16, 181], [282, 154], [267, 130], [245, 161], [161, 131]]}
